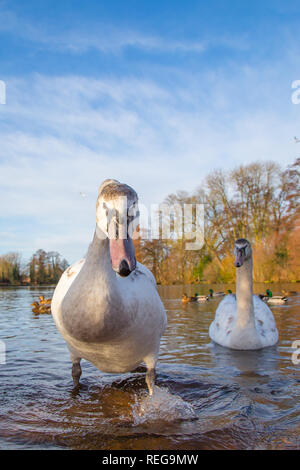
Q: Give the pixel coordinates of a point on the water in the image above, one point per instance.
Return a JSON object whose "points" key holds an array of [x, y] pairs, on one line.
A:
{"points": [[206, 397]]}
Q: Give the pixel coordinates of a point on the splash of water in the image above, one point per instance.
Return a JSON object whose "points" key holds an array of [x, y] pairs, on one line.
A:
{"points": [[161, 406]]}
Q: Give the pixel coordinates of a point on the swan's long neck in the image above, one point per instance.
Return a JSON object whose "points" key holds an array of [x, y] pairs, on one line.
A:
{"points": [[244, 294], [96, 279], [98, 261], [92, 309]]}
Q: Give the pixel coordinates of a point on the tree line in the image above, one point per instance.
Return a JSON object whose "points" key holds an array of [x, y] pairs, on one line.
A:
{"points": [[43, 268], [258, 201]]}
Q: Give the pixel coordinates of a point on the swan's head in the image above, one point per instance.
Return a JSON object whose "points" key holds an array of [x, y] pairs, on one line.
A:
{"points": [[242, 252], [117, 219]]}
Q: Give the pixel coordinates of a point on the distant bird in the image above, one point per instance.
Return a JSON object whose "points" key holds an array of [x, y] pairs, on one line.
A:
{"points": [[229, 292], [296, 140], [44, 301], [273, 299], [276, 299], [216, 294], [201, 298], [38, 308], [185, 299], [265, 296], [289, 292]]}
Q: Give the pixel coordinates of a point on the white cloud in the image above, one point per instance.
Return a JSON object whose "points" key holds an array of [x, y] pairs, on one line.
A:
{"points": [[63, 135]]}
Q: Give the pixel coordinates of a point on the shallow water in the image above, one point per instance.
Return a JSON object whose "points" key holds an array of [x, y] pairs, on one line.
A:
{"points": [[207, 397]]}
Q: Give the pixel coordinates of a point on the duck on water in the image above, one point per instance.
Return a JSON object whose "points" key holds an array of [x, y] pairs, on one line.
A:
{"points": [[106, 306], [273, 299]]}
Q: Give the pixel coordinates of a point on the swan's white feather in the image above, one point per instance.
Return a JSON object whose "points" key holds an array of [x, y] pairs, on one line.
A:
{"points": [[222, 327], [146, 322]]}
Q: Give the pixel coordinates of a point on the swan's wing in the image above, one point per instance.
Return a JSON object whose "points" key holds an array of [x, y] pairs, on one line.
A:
{"points": [[226, 308], [64, 284], [224, 320], [264, 322], [155, 300]]}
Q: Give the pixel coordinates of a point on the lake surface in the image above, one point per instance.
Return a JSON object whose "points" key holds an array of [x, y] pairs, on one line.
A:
{"points": [[207, 397]]}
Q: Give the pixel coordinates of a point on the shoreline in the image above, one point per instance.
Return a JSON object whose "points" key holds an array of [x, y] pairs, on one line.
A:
{"points": [[204, 283], [28, 285]]}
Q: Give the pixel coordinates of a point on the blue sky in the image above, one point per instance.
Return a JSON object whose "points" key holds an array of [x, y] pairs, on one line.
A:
{"points": [[156, 94]]}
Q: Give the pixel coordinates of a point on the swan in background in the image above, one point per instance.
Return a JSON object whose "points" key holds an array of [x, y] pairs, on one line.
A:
{"points": [[106, 306], [245, 322]]}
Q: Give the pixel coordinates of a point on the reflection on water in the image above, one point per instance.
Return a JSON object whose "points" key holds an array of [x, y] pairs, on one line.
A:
{"points": [[207, 397]]}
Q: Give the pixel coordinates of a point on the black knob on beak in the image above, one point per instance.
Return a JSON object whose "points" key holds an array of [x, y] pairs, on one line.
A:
{"points": [[124, 269]]}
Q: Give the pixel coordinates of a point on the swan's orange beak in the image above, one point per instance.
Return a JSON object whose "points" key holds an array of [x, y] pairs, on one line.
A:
{"points": [[122, 256]]}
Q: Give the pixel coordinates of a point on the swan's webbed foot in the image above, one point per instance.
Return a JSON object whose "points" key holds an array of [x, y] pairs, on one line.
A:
{"points": [[76, 373], [150, 380]]}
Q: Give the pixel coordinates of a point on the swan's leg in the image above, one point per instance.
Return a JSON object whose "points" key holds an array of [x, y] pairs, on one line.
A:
{"points": [[150, 362], [150, 380], [76, 371]]}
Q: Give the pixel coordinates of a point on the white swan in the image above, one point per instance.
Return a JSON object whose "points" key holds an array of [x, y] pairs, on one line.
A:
{"points": [[245, 322], [106, 306]]}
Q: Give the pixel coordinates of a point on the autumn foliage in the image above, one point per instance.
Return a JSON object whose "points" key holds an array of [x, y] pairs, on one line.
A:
{"points": [[258, 201]]}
